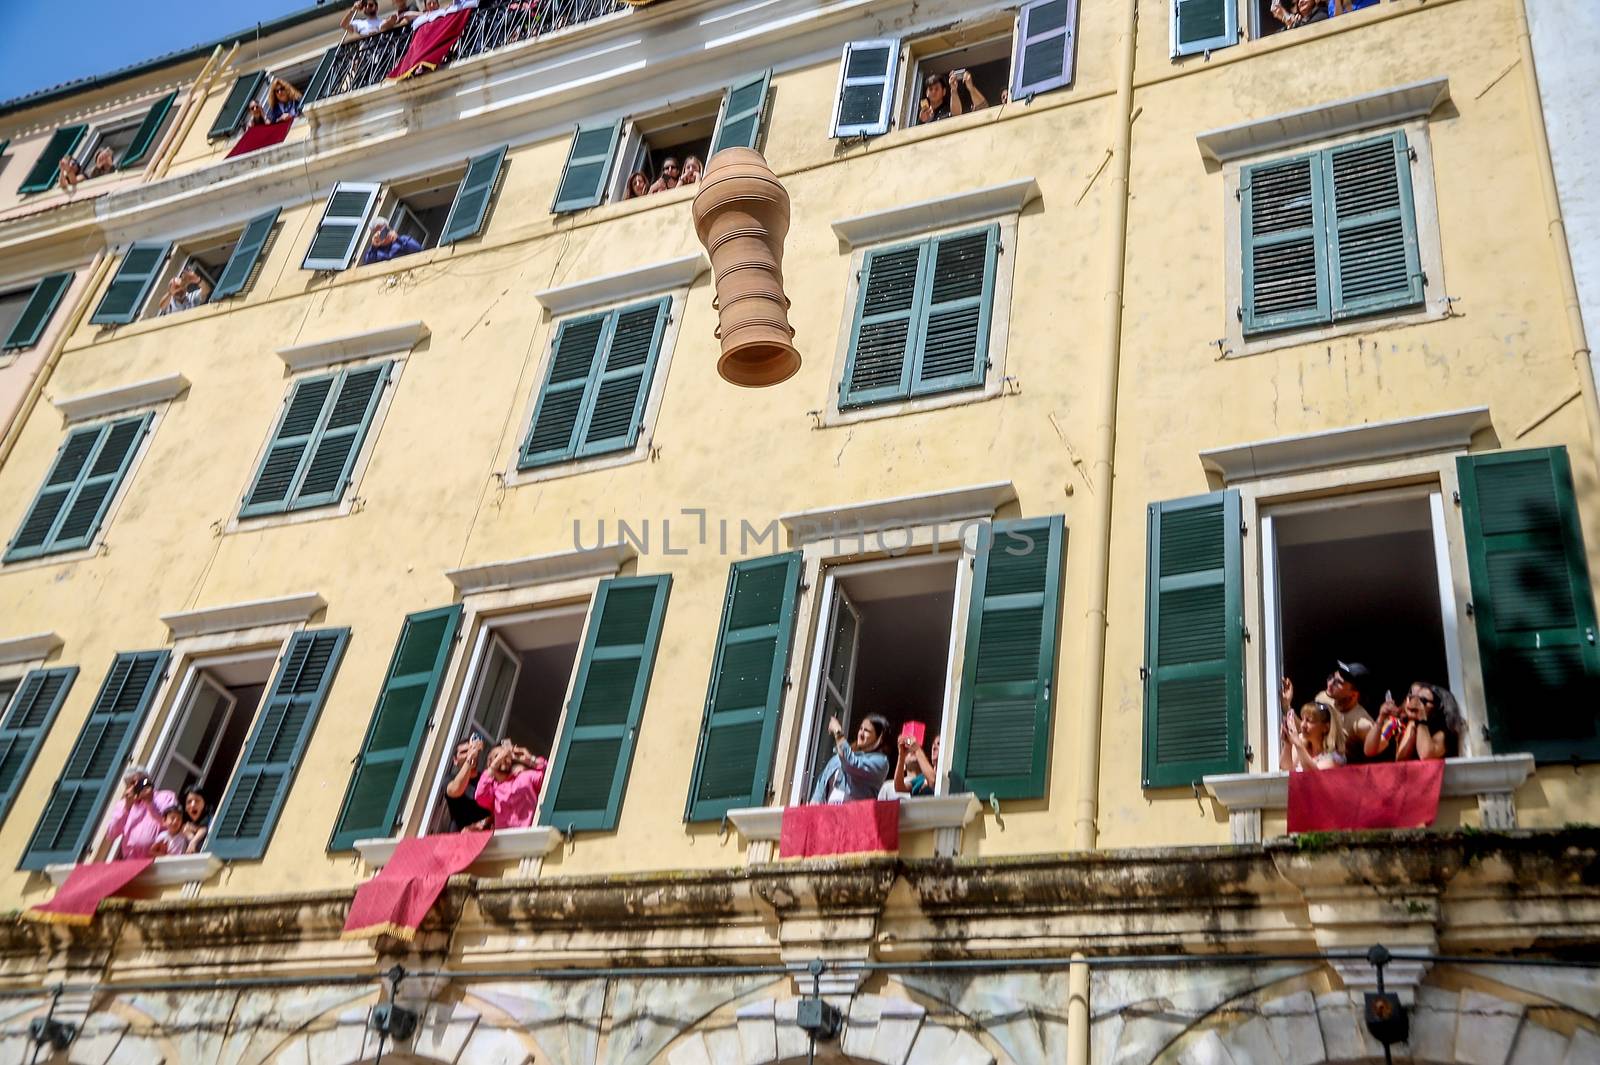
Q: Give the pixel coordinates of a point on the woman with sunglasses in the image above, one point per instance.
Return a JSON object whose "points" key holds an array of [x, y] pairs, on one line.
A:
{"points": [[283, 101], [1426, 726]]}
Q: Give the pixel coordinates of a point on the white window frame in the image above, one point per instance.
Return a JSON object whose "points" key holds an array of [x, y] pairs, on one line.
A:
{"points": [[891, 92], [1231, 35], [909, 90], [184, 709]]}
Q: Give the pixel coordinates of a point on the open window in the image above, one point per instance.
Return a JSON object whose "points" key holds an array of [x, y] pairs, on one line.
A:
{"points": [[203, 740], [982, 50], [12, 304], [885, 647], [651, 142], [517, 684], [1363, 578]]}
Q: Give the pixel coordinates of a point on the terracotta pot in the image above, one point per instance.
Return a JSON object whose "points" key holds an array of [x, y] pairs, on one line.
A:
{"points": [[741, 215]]}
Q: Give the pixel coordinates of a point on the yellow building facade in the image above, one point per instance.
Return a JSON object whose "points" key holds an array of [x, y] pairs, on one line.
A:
{"points": [[1203, 355]]}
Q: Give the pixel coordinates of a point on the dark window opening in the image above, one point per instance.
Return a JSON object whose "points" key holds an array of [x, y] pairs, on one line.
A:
{"points": [[207, 259], [11, 306], [886, 652], [420, 209], [989, 63], [678, 136], [207, 738]]}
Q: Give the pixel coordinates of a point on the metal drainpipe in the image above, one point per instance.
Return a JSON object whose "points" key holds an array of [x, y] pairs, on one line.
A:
{"points": [[1085, 829], [1557, 228], [191, 111]]}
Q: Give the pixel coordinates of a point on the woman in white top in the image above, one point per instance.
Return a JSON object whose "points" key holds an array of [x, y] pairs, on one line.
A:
{"points": [[1309, 737]]}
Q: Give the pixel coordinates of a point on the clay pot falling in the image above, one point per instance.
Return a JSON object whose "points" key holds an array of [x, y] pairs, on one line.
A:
{"points": [[741, 215]]}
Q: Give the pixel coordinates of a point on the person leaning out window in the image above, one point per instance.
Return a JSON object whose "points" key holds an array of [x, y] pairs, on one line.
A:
{"points": [[388, 243], [858, 771], [941, 96]]}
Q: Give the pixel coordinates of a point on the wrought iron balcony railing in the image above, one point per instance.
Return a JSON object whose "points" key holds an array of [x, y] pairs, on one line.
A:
{"points": [[362, 61]]}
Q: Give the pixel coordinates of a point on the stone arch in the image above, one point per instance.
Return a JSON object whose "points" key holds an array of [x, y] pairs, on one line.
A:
{"points": [[878, 1030]]}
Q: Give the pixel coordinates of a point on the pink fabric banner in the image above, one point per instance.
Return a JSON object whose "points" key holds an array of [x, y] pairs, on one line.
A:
{"points": [[1354, 797], [865, 827], [76, 901], [394, 902], [264, 136]]}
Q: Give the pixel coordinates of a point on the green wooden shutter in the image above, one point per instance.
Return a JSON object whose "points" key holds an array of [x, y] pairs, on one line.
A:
{"points": [[394, 737], [1194, 641], [145, 137], [73, 501], [613, 417], [242, 261], [472, 197], [344, 222], [1003, 729], [1044, 48], [27, 722], [740, 123], [884, 332], [865, 99], [1532, 603], [333, 455], [136, 276], [1372, 226], [583, 180], [42, 176], [590, 770], [319, 77], [88, 780], [1203, 25], [316, 442], [956, 303], [37, 312], [235, 103], [733, 762], [1284, 252], [246, 815], [553, 435], [291, 443]]}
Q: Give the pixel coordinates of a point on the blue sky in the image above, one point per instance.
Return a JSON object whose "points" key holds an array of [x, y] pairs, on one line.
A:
{"points": [[47, 42]]}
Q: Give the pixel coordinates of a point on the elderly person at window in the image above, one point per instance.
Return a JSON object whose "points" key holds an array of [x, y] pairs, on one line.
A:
{"points": [[855, 771], [387, 243], [135, 822], [185, 292]]}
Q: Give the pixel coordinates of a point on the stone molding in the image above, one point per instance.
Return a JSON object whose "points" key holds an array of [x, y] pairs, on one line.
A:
{"points": [[87, 405], [1347, 446], [1386, 107], [296, 609], [654, 279], [34, 648], [384, 340], [926, 216]]}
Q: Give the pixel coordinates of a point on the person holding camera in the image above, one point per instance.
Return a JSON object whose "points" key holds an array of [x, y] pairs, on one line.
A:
{"points": [[185, 292], [388, 243], [135, 822], [854, 771], [941, 96]]}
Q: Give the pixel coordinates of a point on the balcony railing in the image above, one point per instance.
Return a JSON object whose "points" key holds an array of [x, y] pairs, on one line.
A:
{"points": [[364, 61]]}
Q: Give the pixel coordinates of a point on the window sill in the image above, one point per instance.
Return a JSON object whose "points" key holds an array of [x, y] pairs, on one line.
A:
{"points": [[1493, 780], [944, 815], [526, 846], [190, 870]]}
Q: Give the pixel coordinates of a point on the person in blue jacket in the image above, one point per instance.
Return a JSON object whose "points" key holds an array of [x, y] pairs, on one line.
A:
{"points": [[854, 772], [388, 243]]}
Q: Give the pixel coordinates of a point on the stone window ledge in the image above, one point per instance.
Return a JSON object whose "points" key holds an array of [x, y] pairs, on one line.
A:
{"points": [[943, 815], [525, 846], [1493, 780], [190, 870]]}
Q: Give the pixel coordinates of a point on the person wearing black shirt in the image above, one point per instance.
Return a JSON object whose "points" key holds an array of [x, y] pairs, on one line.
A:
{"points": [[465, 813]]}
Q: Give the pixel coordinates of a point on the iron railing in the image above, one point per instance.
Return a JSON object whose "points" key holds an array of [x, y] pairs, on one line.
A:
{"points": [[363, 61]]}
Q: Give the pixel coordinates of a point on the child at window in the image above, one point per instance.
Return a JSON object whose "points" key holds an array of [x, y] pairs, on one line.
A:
{"points": [[509, 787], [1310, 737], [171, 839]]}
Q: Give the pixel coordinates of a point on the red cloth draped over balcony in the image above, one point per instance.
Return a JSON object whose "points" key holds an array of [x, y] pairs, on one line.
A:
{"points": [[1352, 797], [394, 902], [864, 827], [263, 136], [430, 44], [76, 901]]}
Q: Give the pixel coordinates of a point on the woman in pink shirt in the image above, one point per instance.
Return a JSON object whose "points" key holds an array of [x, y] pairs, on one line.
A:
{"points": [[509, 787], [136, 817]]}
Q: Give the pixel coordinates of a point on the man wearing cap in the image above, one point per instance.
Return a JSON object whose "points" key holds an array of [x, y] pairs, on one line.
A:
{"points": [[1348, 719]]}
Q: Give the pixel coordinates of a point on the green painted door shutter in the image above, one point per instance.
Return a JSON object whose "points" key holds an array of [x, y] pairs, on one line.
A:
{"points": [[742, 108], [42, 176], [316, 441], [1372, 226], [1532, 603], [1194, 641], [953, 335], [1044, 48], [865, 101], [319, 77], [595, 390], [1203, 25], [73, 501], [733, 762], [248, 812], [583, 181], [884, 332], [235, 103], [246, 253], [1284, 251], [136, 276], [27, 722], [37, 312], [144, 138], [1003, 727], [89, 777], [394, 737], [472, 197], [589, 773], [344, 222]]}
